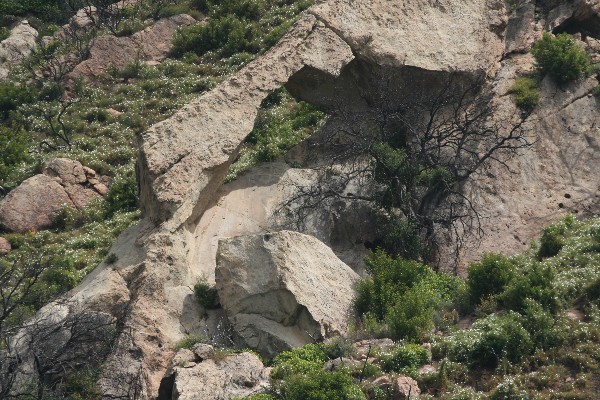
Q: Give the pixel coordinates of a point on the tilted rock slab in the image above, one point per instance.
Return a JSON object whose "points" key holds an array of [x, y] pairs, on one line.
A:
{"points": [[282, 290]]}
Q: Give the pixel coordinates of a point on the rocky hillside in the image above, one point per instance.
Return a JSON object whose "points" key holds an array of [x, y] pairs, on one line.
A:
{"points": [[249, 155]]}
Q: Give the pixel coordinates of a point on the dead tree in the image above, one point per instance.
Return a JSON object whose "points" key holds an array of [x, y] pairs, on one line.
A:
{"points": [[408, 154]]}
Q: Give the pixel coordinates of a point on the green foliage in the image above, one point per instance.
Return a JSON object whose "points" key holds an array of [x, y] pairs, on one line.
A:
{"points": [[490, 340], [399, 237], [318, 384], [11, 96], [4, 33], [526, 92], [281, 124], [489, 277], [189, 342], [406, 359], [123, 195], [403, 295], [337, 347], [411, 317], [206, 295], [552, 240], [47, 10], [300, 360], [561, 57], [535, 283]]}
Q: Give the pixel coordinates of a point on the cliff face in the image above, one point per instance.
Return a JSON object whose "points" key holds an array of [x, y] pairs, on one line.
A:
{"points": [[325, 58]]}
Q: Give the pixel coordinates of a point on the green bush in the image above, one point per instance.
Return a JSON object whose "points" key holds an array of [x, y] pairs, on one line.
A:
{"points": [[206, 295], [552, 241], [491, 339], [227, 34], [123, 195], [300, 360], [337, 347], [407, 359], [526, 92], [534, 283], [12, 96], [561, 57], [318, 384], [4, 33], [489, 277], [411, 317]]}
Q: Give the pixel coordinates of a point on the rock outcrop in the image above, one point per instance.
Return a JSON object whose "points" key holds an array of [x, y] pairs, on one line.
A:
{"points": [[34, 204], [282, 290], [150, 46], [16, 47], [323, 58], [231, 376]]}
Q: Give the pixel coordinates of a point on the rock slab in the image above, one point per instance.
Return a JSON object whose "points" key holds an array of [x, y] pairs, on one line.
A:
{"points": [[281, 290]]}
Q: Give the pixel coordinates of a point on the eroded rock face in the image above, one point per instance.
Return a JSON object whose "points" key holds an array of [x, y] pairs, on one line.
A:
{"points": [[150, 45], [16, 47], [279, 289]]}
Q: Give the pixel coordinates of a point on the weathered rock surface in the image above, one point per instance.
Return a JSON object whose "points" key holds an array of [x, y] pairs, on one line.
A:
{"points": [[279, 289], [150, 45], [406, 388], [235, 376], [34, 204], [16, 47]]}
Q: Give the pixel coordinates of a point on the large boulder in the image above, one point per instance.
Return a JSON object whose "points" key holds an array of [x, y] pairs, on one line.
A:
{"points": [[234, 376], [33, 205], [16, 47], [284, 289]]}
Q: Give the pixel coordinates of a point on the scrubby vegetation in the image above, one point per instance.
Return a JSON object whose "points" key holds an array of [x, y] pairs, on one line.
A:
{"points": [[526, 92], [524, 342], [561, 57]]}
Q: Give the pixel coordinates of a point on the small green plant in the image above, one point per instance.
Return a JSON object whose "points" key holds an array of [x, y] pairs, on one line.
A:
{"points": [[4, 33], [318, 384], [112, 258], [561, 57], [189, 342], [526, 92], [123, 195], [206, 295]]}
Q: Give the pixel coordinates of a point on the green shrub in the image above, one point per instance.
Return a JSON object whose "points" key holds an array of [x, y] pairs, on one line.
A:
{"points": [[318, 384], [4, 33], [300, 360], [561, 57], [173, 9], [123, 195], [407, 359], [491, 339], [489, 276], [526, 92], [337, 347], [12, 96], [552, 241], [227, 34], [206, 295], [411, 317], [534, 283], [399, 237]]}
